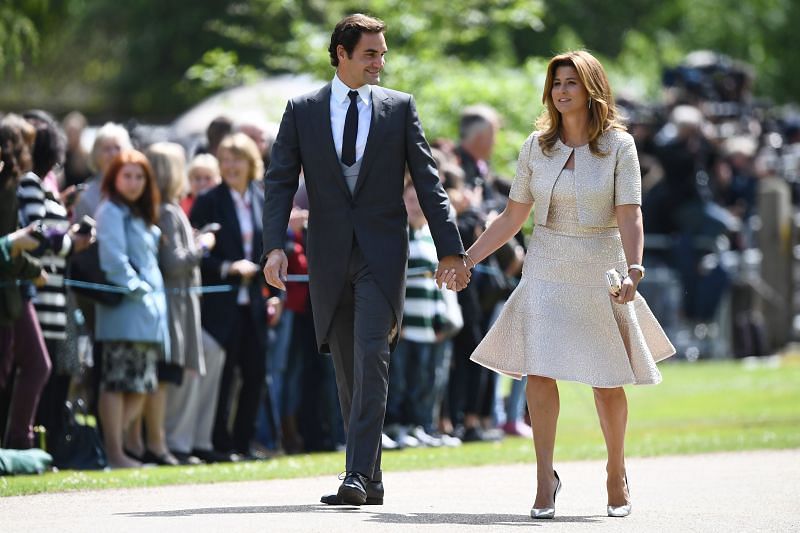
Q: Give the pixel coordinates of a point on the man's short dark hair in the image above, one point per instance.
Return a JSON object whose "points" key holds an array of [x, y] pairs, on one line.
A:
{"points": [[348, 32], [217, 130]]}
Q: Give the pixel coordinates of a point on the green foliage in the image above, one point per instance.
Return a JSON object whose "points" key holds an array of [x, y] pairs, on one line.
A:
{"points": [[219, 69], [19, 41], [152, 59]]}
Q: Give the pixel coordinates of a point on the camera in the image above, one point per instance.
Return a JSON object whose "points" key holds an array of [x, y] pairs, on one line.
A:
{"points": [[50, 237]]}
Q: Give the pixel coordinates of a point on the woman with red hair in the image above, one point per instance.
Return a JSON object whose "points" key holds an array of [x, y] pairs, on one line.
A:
{"points": [[133, 333]]}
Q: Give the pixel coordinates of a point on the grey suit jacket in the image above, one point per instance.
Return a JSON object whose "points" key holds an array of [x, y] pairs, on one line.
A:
{"points": [[374, 215]]}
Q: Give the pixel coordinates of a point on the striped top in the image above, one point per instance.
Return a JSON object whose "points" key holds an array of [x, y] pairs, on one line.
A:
{"points": [[423, 298], [50, 300]]}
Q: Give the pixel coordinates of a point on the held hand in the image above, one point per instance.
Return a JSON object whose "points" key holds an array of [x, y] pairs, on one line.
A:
{"points": [[276, 269], [80, 241], [298, 219], [206, 241], [274, 311], [22, 240], [41, 280], [453, 273], [627, 291], [244, 268]]}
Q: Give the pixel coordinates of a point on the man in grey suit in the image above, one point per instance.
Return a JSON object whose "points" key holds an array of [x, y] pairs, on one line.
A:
{"points": [[353, 141]]}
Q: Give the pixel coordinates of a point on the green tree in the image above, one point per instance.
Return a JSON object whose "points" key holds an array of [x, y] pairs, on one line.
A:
{"points": [[19, 39]]}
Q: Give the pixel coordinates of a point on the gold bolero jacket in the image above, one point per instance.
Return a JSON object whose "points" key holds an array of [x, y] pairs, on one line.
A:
{"points": [[601, 182]]}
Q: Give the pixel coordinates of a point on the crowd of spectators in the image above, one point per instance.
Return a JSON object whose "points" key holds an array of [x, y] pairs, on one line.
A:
{"points": [[202, 362]]}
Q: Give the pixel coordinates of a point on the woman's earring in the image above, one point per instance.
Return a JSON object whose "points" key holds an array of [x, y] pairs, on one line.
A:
{"points": [[590, 103]]}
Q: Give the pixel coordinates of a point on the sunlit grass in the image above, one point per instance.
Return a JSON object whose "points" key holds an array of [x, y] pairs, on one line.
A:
{"points": [[702, 407]]}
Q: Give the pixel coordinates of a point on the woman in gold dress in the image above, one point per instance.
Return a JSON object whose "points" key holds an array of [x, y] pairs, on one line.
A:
{"points": [[580, 171]]}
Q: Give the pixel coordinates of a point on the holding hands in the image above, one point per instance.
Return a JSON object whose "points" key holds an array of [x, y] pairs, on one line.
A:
{"points": [[453, 273]]}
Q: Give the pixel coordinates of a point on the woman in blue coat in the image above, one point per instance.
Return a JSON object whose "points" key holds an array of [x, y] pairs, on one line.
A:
{"points": [[134, 333]]}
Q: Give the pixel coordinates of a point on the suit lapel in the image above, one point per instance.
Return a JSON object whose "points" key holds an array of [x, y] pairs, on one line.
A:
{"points": [[320, 105], [377, 130]]}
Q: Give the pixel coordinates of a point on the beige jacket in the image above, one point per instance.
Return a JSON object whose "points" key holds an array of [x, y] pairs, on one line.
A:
{"points": [[601, 183]]}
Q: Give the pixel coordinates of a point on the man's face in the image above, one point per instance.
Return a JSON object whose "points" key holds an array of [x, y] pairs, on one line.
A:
{"points": [[258, 136], [365, 67]]}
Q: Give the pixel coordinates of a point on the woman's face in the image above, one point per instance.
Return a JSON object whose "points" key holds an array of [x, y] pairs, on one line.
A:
{"points": [[201, 179], [107, 150], [568, 93], [234, 169], [130, 182]]}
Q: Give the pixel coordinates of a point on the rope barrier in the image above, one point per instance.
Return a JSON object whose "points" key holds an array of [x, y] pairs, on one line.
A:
{"points": [[215, 289]]}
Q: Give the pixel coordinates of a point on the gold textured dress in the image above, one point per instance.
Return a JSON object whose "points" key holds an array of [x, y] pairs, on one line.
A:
{"points": [[560, 322]]}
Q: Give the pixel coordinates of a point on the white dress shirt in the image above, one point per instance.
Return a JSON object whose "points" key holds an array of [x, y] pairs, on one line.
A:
{"points": [[340, 102], [244, 213]]}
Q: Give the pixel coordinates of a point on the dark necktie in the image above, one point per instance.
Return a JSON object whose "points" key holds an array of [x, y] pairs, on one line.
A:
{"points": [[350, 131]]}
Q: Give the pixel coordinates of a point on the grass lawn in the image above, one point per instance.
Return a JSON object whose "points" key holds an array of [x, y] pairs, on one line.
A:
{"points": [[701, 407]]}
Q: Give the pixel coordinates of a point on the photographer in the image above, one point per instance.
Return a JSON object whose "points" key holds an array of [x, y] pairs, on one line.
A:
{"points": [[21, 342], [13, 244], [38, 203]]}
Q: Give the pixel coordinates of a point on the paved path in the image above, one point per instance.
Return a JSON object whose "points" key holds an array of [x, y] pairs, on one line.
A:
{"points": [[732, 492]]}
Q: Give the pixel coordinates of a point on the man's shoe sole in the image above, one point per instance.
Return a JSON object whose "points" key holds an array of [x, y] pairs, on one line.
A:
{"points": [[334, 499]]}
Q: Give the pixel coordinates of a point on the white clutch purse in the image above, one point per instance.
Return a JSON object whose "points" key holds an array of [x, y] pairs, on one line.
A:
{"points": [[614, 280]]}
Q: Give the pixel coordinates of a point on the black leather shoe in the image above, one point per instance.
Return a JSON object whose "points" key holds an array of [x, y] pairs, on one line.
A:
{"points": [[353, 490], [374, 495]]}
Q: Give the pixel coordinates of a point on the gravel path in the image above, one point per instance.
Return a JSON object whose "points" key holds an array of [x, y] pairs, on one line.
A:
{"points": [[748, 491]]}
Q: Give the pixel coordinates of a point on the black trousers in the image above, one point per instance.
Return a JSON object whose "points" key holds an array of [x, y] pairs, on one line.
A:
{"points": [[359, 340], [246, 352]]}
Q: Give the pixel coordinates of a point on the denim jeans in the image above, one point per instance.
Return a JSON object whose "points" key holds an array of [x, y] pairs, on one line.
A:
{"points": [[412, 374]]}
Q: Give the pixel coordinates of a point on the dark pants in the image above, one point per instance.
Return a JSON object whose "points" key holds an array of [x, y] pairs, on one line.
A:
{"points": [[22, 348], [247, 353], [359, 339], [320, 417], [411, 387], [51, 404], [469, 381]]}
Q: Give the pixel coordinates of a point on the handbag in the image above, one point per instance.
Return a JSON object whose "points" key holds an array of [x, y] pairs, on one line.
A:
{"points": [[84, 267], [79, 446], [614, 281]]}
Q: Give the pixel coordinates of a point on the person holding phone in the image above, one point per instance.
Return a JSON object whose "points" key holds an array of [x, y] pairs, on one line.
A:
{"points": [[21, 342]]}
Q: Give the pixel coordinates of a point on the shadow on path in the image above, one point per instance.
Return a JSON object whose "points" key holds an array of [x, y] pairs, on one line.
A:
{"points": [[370, 515]]}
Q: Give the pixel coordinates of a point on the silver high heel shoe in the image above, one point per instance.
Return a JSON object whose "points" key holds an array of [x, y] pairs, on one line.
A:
{"points": [[548, 512], [623, 510]]}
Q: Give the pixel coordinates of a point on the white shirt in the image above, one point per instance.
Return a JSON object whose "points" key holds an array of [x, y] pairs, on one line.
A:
{"points": [[340, 103], [244, 213]]}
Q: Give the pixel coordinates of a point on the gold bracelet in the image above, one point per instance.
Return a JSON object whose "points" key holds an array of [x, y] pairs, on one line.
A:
{"points": [[474, 264]]}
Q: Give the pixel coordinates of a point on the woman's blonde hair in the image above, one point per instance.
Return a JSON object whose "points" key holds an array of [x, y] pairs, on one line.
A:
{"points": [[109, 130], [241, 145], [603, 115], [169, 165], [206, 161]]}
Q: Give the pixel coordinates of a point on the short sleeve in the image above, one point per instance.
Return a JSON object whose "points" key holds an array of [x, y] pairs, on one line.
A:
{"points": [[521, 188], [627, 175]]}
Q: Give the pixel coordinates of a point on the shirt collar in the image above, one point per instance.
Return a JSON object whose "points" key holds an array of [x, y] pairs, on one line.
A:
{"points": [[246, 197], [340, 90]]}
